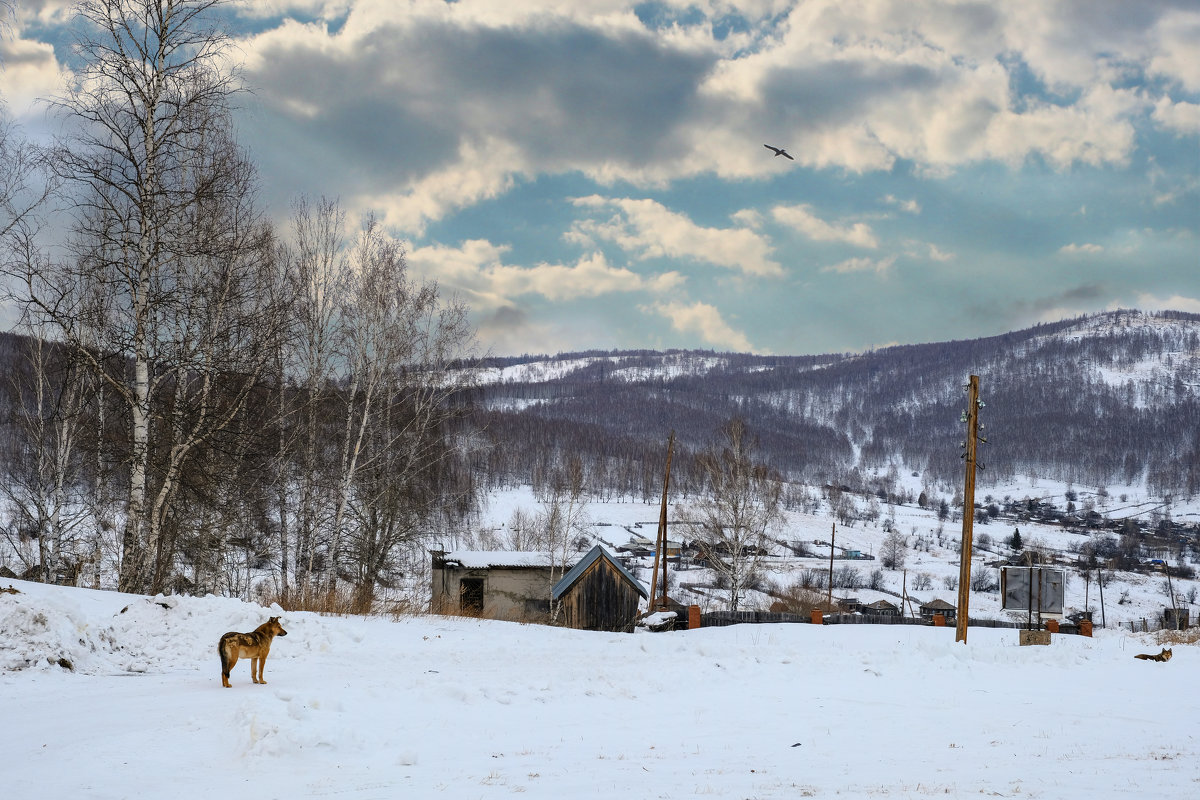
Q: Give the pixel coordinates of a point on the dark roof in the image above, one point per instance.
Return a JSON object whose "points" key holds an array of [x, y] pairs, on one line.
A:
{"points": [[590, 558], [882, 604], [938, 604]]}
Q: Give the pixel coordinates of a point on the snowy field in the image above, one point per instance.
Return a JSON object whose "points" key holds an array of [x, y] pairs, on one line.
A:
{"points": [[428, 707]]}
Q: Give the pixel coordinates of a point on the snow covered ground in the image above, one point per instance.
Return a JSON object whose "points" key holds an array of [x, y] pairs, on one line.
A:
{"points": [[427, 707]]}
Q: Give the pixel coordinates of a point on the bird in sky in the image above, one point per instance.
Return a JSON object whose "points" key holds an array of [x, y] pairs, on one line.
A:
{"points": [[779, 151]]}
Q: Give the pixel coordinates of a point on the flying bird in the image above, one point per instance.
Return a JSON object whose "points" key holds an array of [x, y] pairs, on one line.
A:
{"points": [[779, 151]]}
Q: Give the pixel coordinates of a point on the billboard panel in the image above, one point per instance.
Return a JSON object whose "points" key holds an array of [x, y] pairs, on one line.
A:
{"points": [[1049, 590]]}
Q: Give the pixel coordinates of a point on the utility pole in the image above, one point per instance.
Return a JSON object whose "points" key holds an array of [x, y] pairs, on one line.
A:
{"points": [[660, 547], [1170, 590], [832, 536], [964, 567]]}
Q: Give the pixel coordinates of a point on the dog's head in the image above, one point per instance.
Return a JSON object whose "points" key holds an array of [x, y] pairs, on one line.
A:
{"points": [[275, 628], [1166, 654]]}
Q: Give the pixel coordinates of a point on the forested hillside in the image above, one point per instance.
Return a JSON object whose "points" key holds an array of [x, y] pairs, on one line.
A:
{"points": [[318, 477], [1101, 400]]}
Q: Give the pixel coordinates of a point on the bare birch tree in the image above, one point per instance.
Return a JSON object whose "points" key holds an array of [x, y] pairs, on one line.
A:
{"points": [[739, 505], [395, 480], [563, 517], [44, 476], [320, 271], [183, 292]]}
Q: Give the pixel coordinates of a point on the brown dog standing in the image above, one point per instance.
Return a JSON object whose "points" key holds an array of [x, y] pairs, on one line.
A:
{"points": [[255, 646]]}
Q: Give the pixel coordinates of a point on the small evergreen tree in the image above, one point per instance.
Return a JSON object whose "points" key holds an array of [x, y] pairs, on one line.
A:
{"points": [[1014, 541]]}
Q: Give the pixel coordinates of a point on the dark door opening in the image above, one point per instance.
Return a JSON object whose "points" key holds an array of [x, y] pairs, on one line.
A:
{"points": [[470, 596]]}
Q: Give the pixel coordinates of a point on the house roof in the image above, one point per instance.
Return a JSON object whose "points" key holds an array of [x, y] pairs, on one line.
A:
{"points": [[881, 604], [485, 559], [938, 604], [593, 555]]}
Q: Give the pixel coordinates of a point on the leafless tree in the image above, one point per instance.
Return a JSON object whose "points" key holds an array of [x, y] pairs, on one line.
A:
{"points": [[741, 503], [395, 479], [43, 475], [894, 551], [563, 517], [172, 294], [321, 275], [25, 183]]}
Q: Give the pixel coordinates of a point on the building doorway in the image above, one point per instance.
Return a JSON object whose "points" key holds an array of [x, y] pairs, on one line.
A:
{"points": [[470, 597]]}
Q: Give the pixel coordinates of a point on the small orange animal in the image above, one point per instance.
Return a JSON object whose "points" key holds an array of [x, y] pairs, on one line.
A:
{"points": [[254, 646]]}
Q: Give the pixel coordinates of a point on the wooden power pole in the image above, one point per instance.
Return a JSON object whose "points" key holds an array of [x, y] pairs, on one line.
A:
{"points": [[832, 536], [660, 547], [964, 567]]}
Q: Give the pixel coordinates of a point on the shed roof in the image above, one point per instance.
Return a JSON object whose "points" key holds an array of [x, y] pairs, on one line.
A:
{"points": [[597, 552], [484, 559]]}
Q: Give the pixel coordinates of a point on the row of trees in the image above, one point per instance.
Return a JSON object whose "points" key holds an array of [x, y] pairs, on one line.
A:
{"points": [[199, 385]]}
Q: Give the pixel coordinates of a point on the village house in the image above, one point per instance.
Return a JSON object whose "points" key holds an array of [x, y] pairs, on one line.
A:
{"points": [[881, 608], [934, 607], [849, 604]]}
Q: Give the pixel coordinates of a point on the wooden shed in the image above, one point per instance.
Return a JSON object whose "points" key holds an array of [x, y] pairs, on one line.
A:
{"points": [[505, 585], [599, 594]]}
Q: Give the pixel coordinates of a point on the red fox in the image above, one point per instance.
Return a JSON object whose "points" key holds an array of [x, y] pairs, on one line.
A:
{"points": [[1165, 655]]}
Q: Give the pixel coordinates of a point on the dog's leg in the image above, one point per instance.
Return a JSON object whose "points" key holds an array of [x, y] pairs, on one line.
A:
{"points": [[254, 669], [233, 659], [262, 662]]}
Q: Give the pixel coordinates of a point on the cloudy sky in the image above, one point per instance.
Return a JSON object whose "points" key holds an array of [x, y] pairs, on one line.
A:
{"points": [[591, 173]]}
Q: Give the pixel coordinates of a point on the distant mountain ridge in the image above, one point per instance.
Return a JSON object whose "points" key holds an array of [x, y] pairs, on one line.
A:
{"points": [[1102, 399]]}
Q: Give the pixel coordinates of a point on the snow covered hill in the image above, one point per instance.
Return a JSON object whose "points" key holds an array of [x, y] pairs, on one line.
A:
{"points": [[115, 696], [1097, 400]]}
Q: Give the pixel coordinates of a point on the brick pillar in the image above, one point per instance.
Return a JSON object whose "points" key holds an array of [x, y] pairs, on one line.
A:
{"points": [[818, 616], [693, 617]]}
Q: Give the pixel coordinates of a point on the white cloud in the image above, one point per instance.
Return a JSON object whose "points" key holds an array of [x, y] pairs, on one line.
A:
{"points": [[705, 321], [910, 205], [1176, 302], [476, 268], [649, 229], [30, 72], [480, 172], [1077, 249], [878, 266], [937, 255], [803, 220], [1174, 54], [1181, 117], [467, 99]]}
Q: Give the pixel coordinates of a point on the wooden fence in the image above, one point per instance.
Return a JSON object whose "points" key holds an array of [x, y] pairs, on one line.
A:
{"points": [[722, 618]]}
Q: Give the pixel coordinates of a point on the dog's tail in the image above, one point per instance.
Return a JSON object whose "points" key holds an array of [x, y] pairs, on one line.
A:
{"points": [[224, 656]]}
